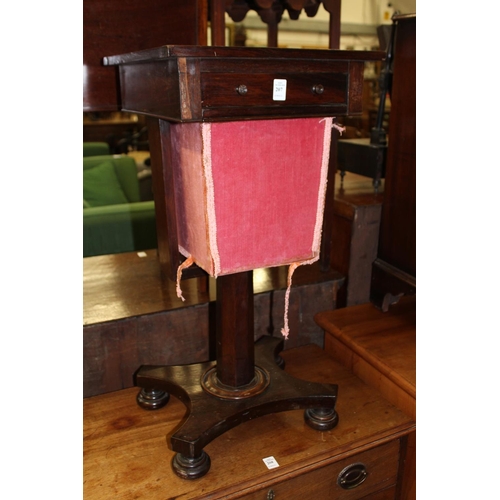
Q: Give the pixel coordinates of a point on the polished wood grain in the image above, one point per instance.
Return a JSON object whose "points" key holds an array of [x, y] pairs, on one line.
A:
{"points": [[126, 455], [378, 347], [124, 285], [186, 83], [235, 329]]}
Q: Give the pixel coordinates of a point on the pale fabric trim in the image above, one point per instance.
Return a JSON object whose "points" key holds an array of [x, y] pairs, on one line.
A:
{"points": [[285, 331], [187, 263], [183, 251], [327, 136], [210, 200]]}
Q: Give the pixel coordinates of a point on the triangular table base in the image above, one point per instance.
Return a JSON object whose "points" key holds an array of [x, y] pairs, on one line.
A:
{"points": [[211, 415]]}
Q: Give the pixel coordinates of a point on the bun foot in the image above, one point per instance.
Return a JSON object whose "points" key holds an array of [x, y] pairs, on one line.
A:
{"points": [[321, 419], [191, 468], [152, 399]]}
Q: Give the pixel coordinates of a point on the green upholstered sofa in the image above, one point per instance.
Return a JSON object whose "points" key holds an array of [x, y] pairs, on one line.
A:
{"points": [[114, 218], [96, 149]]}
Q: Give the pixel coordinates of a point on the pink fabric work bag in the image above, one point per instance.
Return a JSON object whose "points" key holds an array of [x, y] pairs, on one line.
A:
{"points": [[250, 194]]}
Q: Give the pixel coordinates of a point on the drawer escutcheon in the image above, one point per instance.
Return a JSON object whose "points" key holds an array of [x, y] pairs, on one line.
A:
{"points": [[352, 476]]}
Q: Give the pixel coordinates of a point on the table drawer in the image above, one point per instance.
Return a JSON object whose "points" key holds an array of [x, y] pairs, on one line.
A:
{"points": [[270, 90], [259, 90], [363, 474]]}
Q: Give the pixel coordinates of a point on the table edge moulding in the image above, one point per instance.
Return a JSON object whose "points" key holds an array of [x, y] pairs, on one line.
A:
{"points": [[196, 92]]}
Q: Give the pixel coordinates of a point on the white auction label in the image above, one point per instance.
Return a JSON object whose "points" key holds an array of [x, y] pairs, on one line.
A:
{"points": [[271, 462], [279, 90]]}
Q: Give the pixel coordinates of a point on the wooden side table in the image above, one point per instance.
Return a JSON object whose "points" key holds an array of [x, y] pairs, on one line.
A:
{"points": [[126, 456]]}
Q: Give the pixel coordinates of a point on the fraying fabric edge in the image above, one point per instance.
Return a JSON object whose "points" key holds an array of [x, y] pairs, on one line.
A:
{"points": [[334, 125], [285, 331], [206, 131], [187, 263]]}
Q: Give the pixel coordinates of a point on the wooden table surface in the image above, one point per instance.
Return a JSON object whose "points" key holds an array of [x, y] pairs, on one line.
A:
{"points": [[356, 190], [126, 454], [129, 284]]}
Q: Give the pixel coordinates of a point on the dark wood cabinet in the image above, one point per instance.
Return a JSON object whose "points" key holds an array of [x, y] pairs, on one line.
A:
{"points": [[115, 27], [394, 270]]}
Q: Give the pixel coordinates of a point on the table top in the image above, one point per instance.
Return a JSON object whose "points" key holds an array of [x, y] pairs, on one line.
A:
{"points": [[126, 455], [174, 51]]}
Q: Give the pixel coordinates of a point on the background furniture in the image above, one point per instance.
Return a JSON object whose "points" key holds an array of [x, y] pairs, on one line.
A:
{"points": [[380, 348], [394, 270], [371, 437], [114, 218], [356, 226], [95, 148], [367, 156]]}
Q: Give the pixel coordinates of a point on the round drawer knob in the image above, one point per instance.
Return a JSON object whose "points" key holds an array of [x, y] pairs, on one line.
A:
{"points": [[242, 89], [352, 476], [318, 89]]}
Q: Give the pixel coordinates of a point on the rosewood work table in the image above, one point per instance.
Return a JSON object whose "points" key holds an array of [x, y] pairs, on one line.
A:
{"points": [[186, 85]]}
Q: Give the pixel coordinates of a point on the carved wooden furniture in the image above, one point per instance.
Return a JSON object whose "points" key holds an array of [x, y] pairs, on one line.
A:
{"points": [[187, 84], [394, 270], [126, 457], [271, 12], [362, 157]]}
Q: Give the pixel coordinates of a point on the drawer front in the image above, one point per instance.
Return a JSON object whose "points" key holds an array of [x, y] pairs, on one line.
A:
{"points": [[380, 465], [270, 88], [259, 89]]}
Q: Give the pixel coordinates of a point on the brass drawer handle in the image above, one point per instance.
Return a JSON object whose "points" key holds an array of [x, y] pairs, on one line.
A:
{"points": [[352, 476], [318, 89], [242, 89]]}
